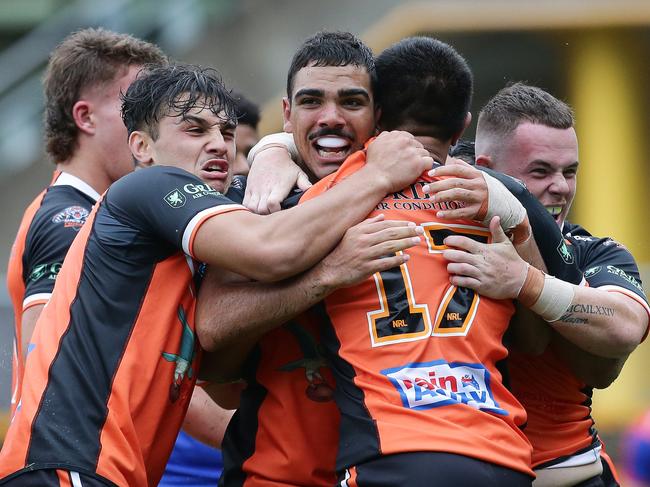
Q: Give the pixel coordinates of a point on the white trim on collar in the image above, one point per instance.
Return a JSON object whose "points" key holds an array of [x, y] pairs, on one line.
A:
{"points": [[67, 179]]}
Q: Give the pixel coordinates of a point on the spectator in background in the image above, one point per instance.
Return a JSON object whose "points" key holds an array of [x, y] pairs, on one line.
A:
{"points": [[246, 136]]}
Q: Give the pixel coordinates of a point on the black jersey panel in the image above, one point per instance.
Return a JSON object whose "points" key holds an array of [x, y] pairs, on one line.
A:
{"points": [[161, 201], [55, 225]]}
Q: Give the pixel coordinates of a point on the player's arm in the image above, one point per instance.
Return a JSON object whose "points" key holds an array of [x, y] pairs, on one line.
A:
{"points": [[28, 323], [273, 173], [232, 315], [594, 370], [205, 420], [276, 246]]}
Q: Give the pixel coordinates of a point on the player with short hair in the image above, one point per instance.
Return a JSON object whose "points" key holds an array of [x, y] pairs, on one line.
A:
{"points": [[86, 139], [527, 133], [269, 395], [116, 357]]}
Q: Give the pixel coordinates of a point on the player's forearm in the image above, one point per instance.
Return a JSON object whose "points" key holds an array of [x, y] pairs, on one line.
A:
{"points": [[298, 238], [205, 420], [228, 314], [607, 324]]}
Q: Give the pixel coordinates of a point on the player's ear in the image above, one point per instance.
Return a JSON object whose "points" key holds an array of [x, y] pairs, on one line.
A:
{"points": [[466, 122], [82, 114], [483, 160], [286, 114], [141, 147]]}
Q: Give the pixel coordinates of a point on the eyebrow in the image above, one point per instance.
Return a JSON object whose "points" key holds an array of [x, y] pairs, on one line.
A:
{"points": [[227, 125], [541, 162], [343, 93]]}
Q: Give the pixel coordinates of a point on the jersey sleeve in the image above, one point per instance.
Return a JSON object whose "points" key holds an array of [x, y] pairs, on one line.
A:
{"points": [[609, 266], [168, 203], [50, 236], [558, 257]]}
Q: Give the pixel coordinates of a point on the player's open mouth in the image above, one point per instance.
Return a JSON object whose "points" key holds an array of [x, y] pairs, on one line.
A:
{"points": [[554, 211], [331, 147], [215, 168]]}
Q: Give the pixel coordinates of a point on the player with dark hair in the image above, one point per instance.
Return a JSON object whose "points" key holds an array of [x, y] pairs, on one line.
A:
{"points": [[527, 133], [86, 139], [115, 357], [262, 417]]}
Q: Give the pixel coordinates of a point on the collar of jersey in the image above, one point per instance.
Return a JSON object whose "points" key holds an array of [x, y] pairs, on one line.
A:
{"points": [[67, 179]]}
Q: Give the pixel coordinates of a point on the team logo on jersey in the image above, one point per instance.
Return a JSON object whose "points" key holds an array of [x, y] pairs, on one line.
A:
{"points": [[592, 271], [183, 359], [318, 389], [440, 383], [40, 271], [72, 217], [564, 251], [175, 198]]}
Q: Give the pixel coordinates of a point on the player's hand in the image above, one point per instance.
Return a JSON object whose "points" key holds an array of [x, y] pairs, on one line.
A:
{"points": [[270, 180], [463, 184], [368, 247], [494, 269], [398, 158]]}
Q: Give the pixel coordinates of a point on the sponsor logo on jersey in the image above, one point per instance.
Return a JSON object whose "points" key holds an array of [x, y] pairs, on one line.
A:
{"points": [[564, 252], [175, 198], [199, 190], [623, 275], [44, 271], [72, 217], [581, 238], [440, 383], [592, 271]]}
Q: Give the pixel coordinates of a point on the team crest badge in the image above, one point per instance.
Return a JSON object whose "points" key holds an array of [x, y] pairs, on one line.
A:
{"points": [[565, 253], [175, 198], [72, 217]]}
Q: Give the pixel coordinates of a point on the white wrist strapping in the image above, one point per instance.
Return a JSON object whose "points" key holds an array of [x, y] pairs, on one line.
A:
{"points": [[502, 203], [555, 299], [283, 139]]}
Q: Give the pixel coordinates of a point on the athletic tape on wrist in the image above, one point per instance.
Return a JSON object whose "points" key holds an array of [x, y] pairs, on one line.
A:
{"points": [[545, 295], [281, 139], [502, 203]]}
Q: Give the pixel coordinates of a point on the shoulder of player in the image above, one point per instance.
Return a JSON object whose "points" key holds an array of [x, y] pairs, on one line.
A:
{"points": [[61, 206]]}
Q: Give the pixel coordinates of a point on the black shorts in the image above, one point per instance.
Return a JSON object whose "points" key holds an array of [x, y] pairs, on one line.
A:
{"points": [[424, 469], [53, 478]]}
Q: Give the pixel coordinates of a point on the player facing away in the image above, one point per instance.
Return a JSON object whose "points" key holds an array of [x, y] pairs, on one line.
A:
{"points": [[86, 140], [115, 353]]}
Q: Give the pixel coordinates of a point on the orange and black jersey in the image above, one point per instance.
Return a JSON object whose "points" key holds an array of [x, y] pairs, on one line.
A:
{"points": [[285, 429], [115, 357], [558, 403], [49, 225], [418, 362]]}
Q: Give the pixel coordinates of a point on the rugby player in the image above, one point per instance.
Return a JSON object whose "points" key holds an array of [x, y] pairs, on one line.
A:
{"points": [[86, 140], [527, 133], [115, 356]]}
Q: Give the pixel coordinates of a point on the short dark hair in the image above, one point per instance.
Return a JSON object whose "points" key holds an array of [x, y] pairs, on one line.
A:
{"points": [[519, 102], [464, 150], [175, 89], [248, 113], [85, 59], [332, 49], [423, 81]]}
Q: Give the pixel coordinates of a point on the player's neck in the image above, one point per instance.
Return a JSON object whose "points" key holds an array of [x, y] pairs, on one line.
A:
{"points": [[85, 167]]}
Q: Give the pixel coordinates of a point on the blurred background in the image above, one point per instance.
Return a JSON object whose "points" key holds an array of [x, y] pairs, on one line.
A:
{"points": [[594, 54]]}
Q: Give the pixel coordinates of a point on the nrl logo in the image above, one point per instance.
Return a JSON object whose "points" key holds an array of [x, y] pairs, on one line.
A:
{"points": [[175, 199]]}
